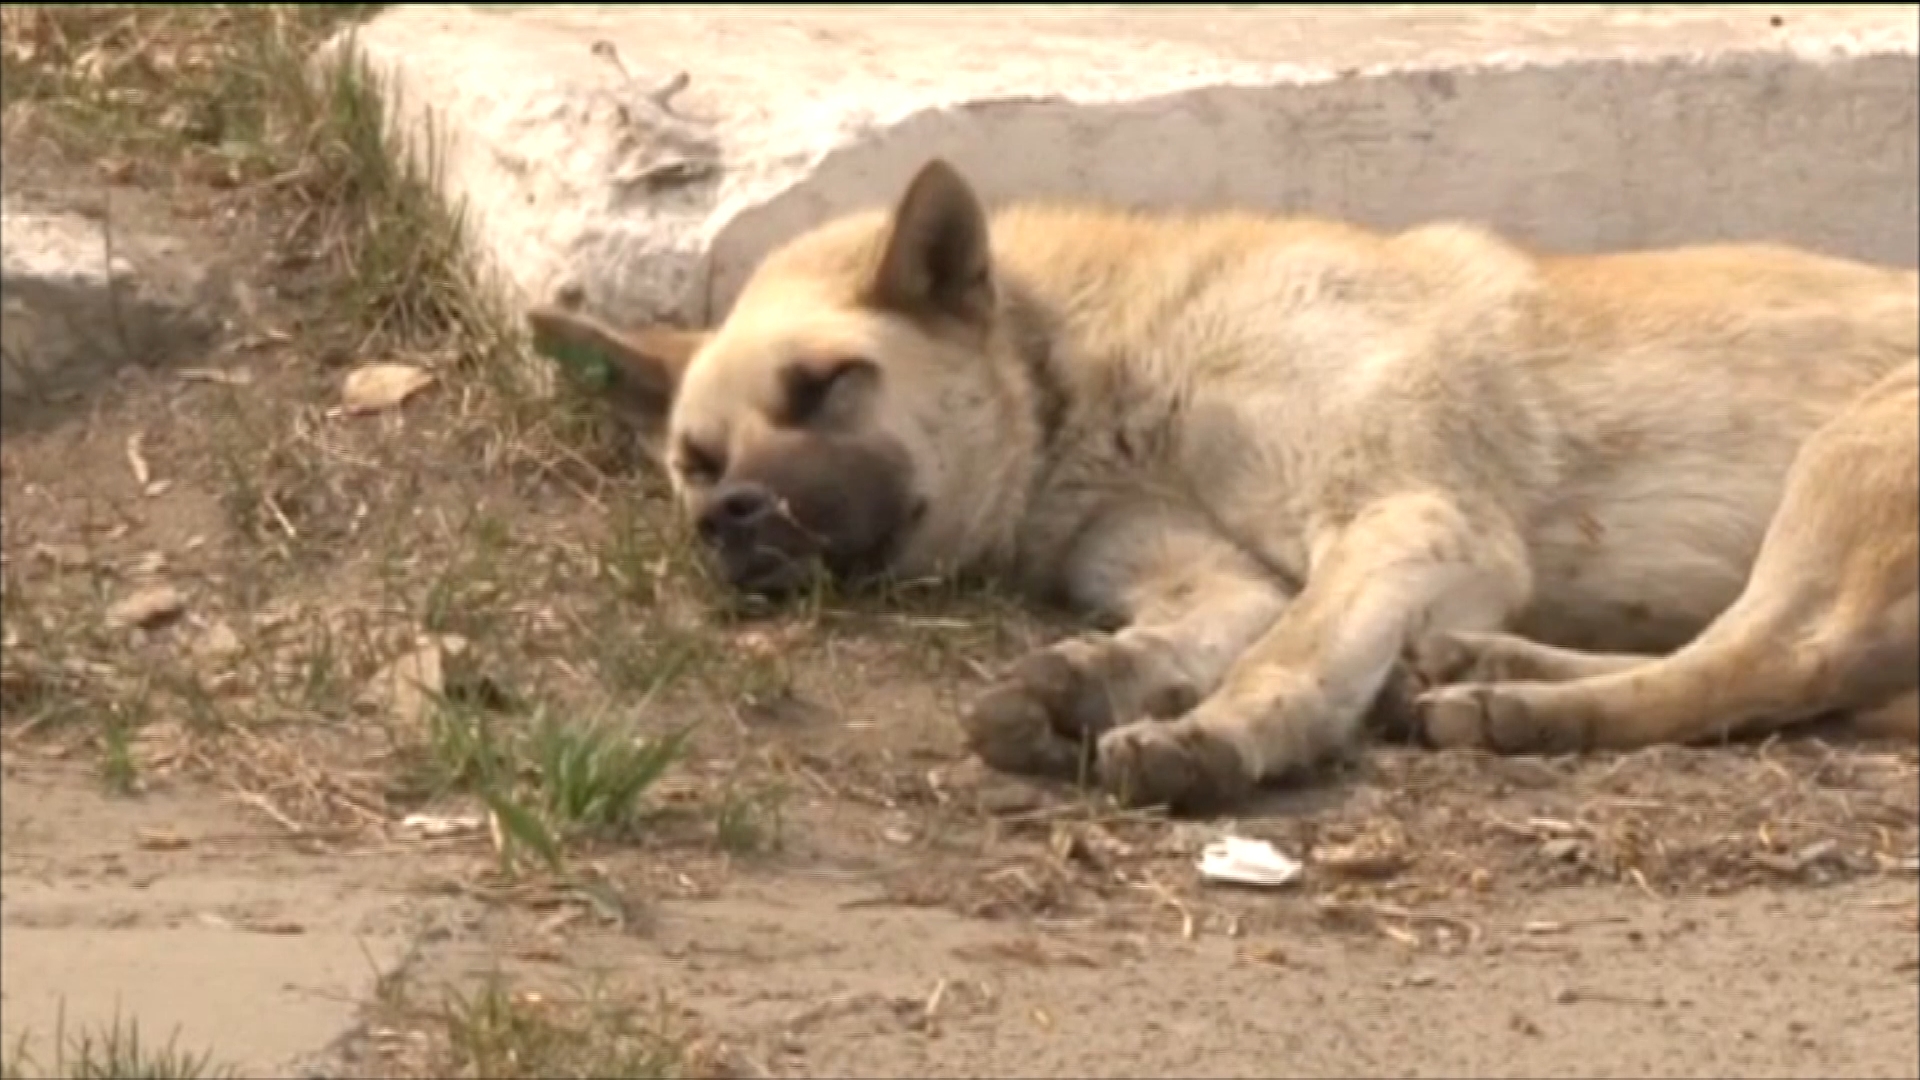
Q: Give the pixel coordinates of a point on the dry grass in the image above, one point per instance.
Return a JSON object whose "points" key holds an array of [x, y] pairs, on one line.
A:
{"points": [[219, 106], [499, 1028], [499, 535], [344, 549], [473, 606], [115, 1051]]}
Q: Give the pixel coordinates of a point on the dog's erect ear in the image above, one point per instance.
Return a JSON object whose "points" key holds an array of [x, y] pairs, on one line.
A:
{"points": [[937, 256], [638, 370]]}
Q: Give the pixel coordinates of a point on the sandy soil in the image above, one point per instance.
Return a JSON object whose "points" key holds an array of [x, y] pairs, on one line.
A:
{"points": [[186, 914], [206, 819]]}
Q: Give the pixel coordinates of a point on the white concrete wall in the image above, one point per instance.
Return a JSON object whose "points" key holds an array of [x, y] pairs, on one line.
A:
{"points": [[1585, 129]]}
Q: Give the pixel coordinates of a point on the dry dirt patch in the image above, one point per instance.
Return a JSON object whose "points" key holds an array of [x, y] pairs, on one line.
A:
{"points": [[429, 672]]}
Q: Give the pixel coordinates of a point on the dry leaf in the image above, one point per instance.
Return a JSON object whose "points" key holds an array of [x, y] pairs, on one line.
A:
{"points": [[147, 608], [222, 376], [1271, 955], [137, 460], [1400, 935], [283, 927], [65, 556], [373, 387], [406, 688], [146, 565], [1373, 857], [160, 840], [159, 745], [1562, 849]]}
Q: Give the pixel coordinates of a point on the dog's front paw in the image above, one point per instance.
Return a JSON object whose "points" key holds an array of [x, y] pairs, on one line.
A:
{"points": [[1506, 718], [1045, 715], [1009, 728], [1180, 765]]}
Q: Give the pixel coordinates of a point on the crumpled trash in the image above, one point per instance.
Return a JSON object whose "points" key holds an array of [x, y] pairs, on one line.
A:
{"points": [[1241, 861]]}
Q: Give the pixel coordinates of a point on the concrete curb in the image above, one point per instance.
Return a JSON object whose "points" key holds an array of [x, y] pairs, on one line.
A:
{"points": [[587, 162], [81, 301]]}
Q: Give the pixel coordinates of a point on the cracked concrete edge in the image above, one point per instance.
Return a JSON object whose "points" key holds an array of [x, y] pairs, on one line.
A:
{"points": [[79, 300], [1654, 140], [335, 1058]]}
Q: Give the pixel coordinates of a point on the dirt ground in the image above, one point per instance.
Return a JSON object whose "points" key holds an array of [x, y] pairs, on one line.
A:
{"points": [[627, 830]]}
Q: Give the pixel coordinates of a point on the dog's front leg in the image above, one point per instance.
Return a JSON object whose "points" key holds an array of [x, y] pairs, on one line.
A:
{"points": [[1190, 604], [1404, 566]]}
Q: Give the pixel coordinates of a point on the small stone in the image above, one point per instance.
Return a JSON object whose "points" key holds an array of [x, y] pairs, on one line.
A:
{"points": [[1562, 849], [218, 642], [73, 316]]}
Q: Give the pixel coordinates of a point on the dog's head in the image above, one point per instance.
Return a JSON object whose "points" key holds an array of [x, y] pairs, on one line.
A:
{"points": [[850, 415]]}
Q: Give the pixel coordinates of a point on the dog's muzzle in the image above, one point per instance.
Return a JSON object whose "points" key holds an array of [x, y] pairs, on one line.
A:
{"points": [[755, 542]]}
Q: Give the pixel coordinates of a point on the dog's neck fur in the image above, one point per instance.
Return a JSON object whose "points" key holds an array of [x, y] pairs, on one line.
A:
{"points": [[1060, 369], [1038, 337], [1031, 330], [1027, 380]]}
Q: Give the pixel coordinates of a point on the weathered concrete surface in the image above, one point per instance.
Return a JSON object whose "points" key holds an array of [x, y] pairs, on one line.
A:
{"points": [[226, 942], [1570, 128], [79, 299], [261, 1003]]}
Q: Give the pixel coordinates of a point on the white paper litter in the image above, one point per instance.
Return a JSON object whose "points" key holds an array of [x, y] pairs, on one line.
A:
{"points": [[1241, 861], [436, 826]]}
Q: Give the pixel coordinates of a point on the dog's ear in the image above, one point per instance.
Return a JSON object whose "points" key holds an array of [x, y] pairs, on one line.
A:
{"points": [[637, 370], [937, 258]]}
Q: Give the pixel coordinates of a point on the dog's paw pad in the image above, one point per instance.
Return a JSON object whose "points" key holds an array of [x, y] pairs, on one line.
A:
{"points": [[1180, 766], [1071, 682], [1508, 718], [1454, 718], [1009, 728]]}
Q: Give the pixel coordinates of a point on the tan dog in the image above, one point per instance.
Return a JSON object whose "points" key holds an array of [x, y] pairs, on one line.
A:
{"points": [[1601, 501]]}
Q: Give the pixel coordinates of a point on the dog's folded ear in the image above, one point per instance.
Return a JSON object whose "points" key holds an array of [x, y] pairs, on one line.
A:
{"points": [[638, 370], [937, 258]]}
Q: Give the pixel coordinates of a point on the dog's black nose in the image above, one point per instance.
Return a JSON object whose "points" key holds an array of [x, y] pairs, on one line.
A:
{"points": [[736, 512]]}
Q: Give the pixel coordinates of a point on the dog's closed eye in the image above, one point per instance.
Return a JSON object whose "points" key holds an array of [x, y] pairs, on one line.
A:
{"points": [[700, 464], [809, 389]]}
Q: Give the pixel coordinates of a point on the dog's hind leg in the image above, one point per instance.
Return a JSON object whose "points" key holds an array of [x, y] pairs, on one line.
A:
{"points": [[1895, 719], [1829, 621]]}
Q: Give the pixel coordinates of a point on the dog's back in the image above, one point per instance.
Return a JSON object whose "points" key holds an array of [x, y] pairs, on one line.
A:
{"points": [[1638, 410]]}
